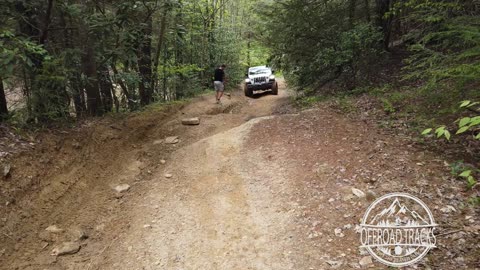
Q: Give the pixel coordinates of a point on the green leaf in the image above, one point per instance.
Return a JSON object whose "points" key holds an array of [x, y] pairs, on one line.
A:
{"points": [[478, 136], [471, 181], [475, 121], [447, 134], [465, 103], [466, 173], [440, 131], [462, 130], [427, 131], [473, 104], [464, 121]]}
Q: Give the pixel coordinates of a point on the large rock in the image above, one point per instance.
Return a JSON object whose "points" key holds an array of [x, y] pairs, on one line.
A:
{"points": [[122, 188], [366, 261], [66, 248], [6, 170], [54, 229], [357, 192], [171, 140], [191, 121]]}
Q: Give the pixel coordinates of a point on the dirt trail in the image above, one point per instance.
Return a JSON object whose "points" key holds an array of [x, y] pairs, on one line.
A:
{"points": [[249, 189]]}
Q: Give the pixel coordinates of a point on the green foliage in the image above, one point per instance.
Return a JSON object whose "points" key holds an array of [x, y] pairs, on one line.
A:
{"points": [[387, 106], [465, 124], [446, 47], [318, 44], [16, 51], [307, 101]]}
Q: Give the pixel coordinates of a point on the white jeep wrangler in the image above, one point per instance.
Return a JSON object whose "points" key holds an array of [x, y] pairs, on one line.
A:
{"points": [[260, 78]]}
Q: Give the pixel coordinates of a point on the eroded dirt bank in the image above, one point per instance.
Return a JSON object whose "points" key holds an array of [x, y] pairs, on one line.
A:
{"points": [[246, 189]]}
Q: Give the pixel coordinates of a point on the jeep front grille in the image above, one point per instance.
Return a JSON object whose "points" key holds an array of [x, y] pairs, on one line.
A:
{"points": [[260, 80]]}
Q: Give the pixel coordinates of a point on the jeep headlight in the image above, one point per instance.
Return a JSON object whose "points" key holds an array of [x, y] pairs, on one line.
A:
{"points": [[247, 80], [272, 77]]}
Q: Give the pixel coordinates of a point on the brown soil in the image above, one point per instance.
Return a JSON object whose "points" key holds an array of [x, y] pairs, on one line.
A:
{"points": [[246, 191]]}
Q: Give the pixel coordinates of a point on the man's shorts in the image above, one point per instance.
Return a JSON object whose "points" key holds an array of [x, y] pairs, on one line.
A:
{"points": [[219, 87]]}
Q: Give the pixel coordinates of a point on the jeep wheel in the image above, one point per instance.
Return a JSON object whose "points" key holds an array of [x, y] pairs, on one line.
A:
{"points": [[275, 89], [248, 92]]}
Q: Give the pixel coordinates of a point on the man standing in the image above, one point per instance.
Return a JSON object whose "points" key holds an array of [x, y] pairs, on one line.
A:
{"points": [[219, 82]]}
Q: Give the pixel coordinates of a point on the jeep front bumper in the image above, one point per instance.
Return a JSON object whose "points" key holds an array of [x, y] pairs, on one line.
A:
{"points": [[263, 86]]}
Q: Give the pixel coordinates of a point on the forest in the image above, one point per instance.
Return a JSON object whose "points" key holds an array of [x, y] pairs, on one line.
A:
{"points": [[64, 59], [73, 59]]}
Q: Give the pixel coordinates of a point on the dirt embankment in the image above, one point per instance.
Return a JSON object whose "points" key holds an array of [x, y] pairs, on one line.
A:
{"points": [[242, 190]]}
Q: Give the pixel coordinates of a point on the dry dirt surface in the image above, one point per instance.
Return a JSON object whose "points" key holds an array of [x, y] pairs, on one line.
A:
{"points": [[257, 185]]}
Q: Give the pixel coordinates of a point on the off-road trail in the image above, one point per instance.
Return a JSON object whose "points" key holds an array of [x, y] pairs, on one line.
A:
{"points": [[257, 185]]}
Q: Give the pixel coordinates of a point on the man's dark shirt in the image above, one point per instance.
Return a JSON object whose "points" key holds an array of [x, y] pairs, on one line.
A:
{"points": [[219, 75]]}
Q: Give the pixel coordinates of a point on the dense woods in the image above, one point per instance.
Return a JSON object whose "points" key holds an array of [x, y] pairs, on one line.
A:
{"points": [[347, 41], [62, 58], [89, 58]]}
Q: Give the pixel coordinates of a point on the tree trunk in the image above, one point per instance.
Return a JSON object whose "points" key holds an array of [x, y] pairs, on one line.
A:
{"points": [[145, 64], [158, 50], [44, 33], [165, 56], [367, 10], [351, 12], [90, 69], [105, 88], [125, 91], [3, 102], [74, 77], [383, 6]]}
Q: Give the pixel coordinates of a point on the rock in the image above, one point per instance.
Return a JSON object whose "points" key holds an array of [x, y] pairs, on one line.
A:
{"points": [[47, 236], [354, 265], [338, 232], [448, 209], [122, 188], [157, 142], [191, 121], [357, 192], [334, 264], [171, 140], [54, 229], [6, 170], [100, 227], [76, 145], [147, 226], [460, 260], [78, 234], [366, 261], [66, 248], [163, 161], [168, 175]]}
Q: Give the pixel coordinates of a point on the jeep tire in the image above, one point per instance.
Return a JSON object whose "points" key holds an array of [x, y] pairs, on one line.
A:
{"points": [[275, 89], [248, 92]]}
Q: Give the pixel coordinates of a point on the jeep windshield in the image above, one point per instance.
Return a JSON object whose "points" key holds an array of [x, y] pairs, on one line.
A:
{"points": [[259, 71]]}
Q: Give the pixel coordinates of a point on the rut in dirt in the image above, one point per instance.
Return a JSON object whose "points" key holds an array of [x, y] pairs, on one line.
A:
{"points": [[79, 197]]}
